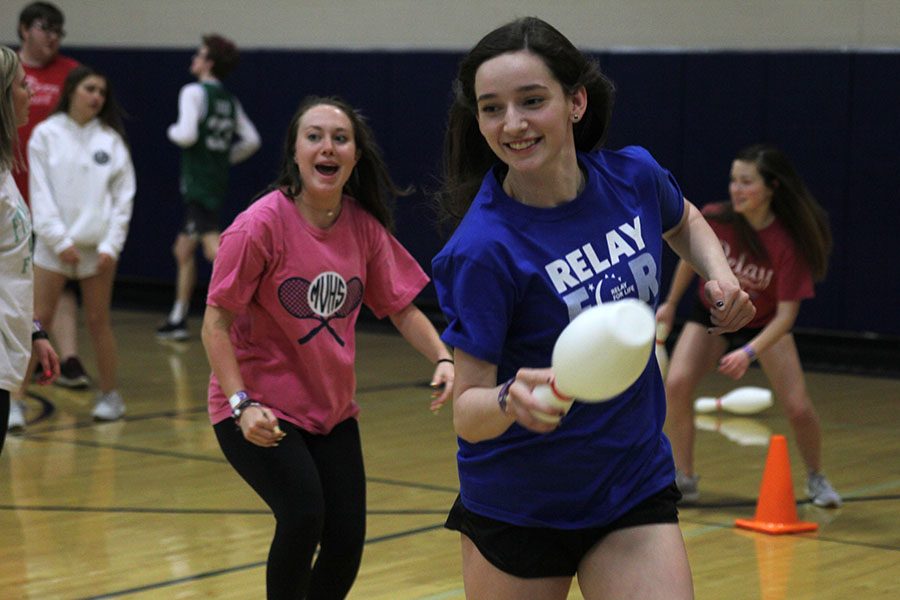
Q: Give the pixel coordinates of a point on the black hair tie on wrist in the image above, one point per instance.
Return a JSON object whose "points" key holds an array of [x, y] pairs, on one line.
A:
{"points": [[446, 360]]}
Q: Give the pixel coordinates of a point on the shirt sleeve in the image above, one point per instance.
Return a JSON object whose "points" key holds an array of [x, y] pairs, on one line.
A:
{"points": [[184, 131], [48, 223], [247, 137], [671, 200], [477, 301], [393, 277], [122, 188], [240, 264]]}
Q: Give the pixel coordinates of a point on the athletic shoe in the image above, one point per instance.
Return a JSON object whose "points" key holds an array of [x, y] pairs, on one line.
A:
{"points": [[72, 375], [819, 490], [109, 407], [16, 420], [173, 331], [687, 485]]}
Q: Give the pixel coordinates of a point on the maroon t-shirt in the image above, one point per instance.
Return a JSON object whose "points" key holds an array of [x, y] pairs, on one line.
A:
{"points": [[784, 277]]}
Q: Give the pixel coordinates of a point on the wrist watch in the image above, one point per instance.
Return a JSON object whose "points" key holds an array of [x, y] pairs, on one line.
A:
{"points": [[239, 402]]}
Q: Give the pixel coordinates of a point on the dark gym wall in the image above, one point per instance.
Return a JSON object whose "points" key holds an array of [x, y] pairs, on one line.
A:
{"points": [[833, 112]]}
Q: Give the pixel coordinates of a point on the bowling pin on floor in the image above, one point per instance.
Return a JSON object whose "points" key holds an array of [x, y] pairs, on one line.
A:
{"points": [[742, 401], [662, 355]]}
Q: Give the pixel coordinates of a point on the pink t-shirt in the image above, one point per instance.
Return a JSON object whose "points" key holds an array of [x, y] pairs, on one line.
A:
{"points": [[784, 277], [296, 292]]}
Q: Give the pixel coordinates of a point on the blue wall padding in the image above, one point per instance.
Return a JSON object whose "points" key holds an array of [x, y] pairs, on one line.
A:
{"points": [[835, 113]]}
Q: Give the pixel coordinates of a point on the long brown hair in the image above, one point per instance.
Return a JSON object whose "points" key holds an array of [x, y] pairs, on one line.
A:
{"points": [[467, 156], [9, 68], [110, 115], [370, 183], [793, 204]]}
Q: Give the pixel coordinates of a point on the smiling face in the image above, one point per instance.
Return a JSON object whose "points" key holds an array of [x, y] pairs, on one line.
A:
{"points": [[325, 152], [523, 112], [88, 98], [750, 196], [21, 95]]}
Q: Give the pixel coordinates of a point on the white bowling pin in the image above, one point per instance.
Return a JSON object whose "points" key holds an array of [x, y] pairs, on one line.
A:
{"points": [[743, 401], [603, 350], [662, 355]]}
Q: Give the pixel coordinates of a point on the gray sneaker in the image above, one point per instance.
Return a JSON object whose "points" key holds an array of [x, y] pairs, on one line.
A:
{"points": [[819, 490], [109, 407], [687, 485], [16, 420]]}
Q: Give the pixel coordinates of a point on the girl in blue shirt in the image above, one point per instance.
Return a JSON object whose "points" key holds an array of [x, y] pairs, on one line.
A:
{"points": [[548, 225]]}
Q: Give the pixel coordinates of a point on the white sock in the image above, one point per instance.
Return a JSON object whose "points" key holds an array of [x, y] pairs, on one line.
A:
{"points": [[179, 312]]}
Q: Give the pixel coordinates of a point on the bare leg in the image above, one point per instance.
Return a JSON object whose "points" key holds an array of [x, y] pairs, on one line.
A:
{"points": [[65, 325], [648, 562], [97, 295], [210, 243], [781, 364], [183, 250], [484, 581], [695, 354]]}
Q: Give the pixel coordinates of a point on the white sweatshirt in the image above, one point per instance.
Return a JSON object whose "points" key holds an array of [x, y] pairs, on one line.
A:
{"points": [[16, 299], [82, 185]]}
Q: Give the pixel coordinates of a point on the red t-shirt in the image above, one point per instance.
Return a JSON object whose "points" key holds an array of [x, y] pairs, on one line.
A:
{"points": [[784, 277], [46, 84]]}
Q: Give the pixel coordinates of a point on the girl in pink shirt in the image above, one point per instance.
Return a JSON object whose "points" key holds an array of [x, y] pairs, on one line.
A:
{"points": [[290, 277]]}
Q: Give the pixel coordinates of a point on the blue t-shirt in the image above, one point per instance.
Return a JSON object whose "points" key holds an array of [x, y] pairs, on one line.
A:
{"points": [[509, 281]]}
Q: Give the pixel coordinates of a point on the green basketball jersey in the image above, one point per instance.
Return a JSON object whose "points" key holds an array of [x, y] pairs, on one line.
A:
{"points": [[204, 166]]}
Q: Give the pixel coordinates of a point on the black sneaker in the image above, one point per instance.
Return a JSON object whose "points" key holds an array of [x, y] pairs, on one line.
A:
{"points": [[72, 375], [173, 331]]}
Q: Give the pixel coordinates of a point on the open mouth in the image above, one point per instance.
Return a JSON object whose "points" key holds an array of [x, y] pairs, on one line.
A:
{"points": [[327, 169]]}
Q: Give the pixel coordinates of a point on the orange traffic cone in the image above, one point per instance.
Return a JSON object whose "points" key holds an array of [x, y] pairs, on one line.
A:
{"points": [[776, 509]]}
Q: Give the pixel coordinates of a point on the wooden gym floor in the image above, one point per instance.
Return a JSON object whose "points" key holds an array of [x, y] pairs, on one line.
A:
{"points": [[148, 508]]}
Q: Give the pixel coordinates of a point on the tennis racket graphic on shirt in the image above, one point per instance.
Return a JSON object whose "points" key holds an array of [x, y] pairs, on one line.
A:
{"points": [[324, 299]]}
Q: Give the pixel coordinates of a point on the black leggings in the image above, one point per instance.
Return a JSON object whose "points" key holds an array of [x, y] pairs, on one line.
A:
{"points": [[4, 416], [316, 487]]}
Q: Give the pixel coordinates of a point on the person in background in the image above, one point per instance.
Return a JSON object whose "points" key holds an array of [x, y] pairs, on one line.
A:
{"points": [[549, 224], [41, 30], [280, 333], [82, 191], [777, 240], [214, 133], [23, 342]]}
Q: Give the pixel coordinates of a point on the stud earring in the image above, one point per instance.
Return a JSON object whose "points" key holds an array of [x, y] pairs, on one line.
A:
{"points": [[575, 117]]}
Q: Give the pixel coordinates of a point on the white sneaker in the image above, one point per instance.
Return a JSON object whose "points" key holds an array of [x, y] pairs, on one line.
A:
{"points": [[688, 486], [109, 407], [16, 420], [819, 490]]}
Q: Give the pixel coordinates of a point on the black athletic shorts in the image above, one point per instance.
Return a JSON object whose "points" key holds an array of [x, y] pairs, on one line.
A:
{"points": [[535, 552], [199, 220]]}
